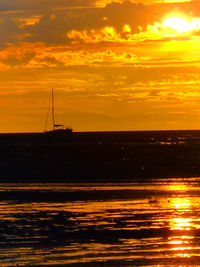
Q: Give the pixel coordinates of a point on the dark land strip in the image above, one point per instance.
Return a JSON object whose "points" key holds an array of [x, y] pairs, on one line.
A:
{"points": [[99, 156]]}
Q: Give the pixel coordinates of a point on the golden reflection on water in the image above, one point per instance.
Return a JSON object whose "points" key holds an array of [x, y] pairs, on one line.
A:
{"points": [[181, 224], [181, 203], [181, 245], [157, 222]]}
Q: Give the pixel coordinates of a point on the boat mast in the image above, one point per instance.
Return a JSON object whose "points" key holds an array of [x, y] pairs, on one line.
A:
{"points": [[53, 117]]}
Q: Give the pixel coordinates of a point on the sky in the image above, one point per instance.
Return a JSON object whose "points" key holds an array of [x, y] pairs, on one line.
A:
{"points": [[115, 65]]}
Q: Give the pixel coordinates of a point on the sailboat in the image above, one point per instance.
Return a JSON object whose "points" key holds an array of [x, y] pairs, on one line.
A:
{"points": [[56, 128]]}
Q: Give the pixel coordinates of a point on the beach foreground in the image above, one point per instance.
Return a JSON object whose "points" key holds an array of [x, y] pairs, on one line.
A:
{"points": [[154, 223]]}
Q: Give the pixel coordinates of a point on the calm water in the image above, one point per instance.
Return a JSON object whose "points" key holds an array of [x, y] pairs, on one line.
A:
{"points": [[137, 224]]}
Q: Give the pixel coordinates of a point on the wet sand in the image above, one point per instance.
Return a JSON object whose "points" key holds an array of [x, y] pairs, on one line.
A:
{"points": [[136, 224]]}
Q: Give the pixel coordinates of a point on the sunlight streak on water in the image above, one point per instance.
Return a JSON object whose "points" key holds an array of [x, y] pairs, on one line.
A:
{"points": [[136, 224]]}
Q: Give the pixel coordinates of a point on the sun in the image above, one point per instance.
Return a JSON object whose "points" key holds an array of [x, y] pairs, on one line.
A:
{"points": [[181, 23], [177, 23]]}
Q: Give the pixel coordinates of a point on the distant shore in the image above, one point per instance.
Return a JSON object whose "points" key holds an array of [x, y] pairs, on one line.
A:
{"points": [[99, 156]]}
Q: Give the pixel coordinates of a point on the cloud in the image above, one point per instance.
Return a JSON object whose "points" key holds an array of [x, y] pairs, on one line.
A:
{"points": [[54, 22], [41, 5], [9, 32], [39, 55]]}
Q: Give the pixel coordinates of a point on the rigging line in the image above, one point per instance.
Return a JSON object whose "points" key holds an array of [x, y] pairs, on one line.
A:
{"points": [[47, 116], [53, 116]]}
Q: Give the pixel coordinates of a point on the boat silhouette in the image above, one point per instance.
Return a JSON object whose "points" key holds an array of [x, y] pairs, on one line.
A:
{"points": [[56, 128]]}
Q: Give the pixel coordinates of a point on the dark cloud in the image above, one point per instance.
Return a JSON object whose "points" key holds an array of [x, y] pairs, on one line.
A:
{"points": [[9, 32], [57, 19], [54, 26], [9, 5]]}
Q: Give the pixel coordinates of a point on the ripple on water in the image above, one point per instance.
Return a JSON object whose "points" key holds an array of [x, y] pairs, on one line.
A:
{"points": [[142, 224]]}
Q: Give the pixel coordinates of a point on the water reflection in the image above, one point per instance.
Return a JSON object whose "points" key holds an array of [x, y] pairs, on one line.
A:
{"points": [[181, 222], [183, 203], [138, 224]]}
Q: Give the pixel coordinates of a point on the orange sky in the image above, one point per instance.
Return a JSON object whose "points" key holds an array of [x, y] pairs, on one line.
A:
{"points": [[114, 65]]}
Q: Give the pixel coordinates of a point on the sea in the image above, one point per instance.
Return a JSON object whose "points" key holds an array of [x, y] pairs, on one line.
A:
{"points": [[146, 222]]}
